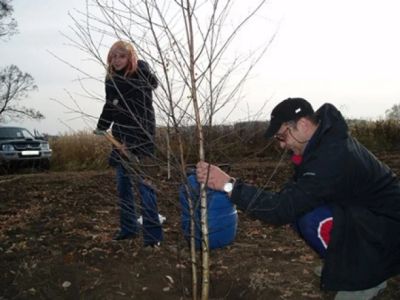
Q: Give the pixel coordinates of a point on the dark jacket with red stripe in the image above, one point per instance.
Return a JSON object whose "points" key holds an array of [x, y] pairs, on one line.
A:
{"points": [[364, 194], [129, 106]]}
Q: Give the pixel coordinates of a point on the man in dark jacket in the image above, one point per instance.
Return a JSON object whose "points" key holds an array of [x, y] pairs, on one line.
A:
{"points": [[344, 202]]}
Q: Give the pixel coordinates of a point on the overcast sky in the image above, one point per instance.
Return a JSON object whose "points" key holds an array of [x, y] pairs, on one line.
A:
{"points": [[345, 52]]}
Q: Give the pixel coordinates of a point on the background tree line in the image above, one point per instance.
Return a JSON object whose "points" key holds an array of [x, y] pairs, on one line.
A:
{"points": [[15, 84], [239, 142]]}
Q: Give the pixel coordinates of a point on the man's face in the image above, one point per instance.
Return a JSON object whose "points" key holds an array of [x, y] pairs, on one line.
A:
{"points": [[291, 137]]}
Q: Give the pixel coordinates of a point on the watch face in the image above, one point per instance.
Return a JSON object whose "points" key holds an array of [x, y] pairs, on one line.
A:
{"points": [[228, 187]]}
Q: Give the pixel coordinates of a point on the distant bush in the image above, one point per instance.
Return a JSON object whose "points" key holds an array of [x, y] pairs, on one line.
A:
{"points": [[377, 136], [223, 144], [79, 151], [246, 140]]}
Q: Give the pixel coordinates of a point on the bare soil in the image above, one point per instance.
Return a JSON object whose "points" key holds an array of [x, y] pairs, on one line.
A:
{"points": [[55, 243]]}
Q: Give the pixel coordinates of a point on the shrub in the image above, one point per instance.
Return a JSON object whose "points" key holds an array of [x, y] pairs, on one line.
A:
{"points": [[79, 151], [377, 136]]}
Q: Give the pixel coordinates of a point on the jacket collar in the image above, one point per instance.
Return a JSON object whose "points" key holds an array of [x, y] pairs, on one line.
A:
{"points": [[332, 126]]}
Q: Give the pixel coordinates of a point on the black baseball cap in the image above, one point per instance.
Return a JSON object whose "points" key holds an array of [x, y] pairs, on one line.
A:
{"points": [[290, 109]]}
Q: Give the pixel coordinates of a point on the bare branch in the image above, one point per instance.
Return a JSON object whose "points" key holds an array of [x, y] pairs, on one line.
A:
{"points": [[15, 86]]}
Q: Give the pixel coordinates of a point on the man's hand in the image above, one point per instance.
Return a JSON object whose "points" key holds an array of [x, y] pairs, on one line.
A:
{"points": [[99, 132], [212, 175]]}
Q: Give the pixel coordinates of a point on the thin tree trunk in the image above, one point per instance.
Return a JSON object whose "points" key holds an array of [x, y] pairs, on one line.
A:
{"points": [[203, 195], [168, 152], [192, 214]]}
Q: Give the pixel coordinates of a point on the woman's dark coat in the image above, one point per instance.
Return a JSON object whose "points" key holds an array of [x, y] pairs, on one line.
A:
{"points": [[129, 106], [364, 195]]}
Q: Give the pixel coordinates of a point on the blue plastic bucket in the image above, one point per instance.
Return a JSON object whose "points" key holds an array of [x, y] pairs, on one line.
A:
{"points": [[222, 215]]}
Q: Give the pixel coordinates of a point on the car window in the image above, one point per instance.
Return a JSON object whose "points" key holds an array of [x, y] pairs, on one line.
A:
{"points": [[26, 134], [14, 133]]}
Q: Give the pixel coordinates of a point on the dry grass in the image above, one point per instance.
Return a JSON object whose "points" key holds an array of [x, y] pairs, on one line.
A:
{"points": [[378, 136], [224, 143], [79, 151]]}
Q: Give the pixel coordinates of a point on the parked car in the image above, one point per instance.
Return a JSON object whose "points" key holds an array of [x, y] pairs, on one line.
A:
{"points": [[19, 147]]}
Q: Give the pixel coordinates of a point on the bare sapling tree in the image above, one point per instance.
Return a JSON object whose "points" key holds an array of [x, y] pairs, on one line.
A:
{"points": [[191, 46]]}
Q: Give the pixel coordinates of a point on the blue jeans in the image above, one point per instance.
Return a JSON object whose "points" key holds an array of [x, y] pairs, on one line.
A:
{"points": [[314, 227], [152, 230]]}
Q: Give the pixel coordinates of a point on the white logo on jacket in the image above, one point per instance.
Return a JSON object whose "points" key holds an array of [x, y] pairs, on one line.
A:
{"points": [[309, 174]]}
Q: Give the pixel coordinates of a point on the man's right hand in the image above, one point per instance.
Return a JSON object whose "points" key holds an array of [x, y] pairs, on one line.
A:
{"points": [[212, 175], [99, 132]]}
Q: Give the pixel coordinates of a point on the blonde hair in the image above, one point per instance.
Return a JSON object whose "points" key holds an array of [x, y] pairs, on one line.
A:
{"points": [[132, 57]]}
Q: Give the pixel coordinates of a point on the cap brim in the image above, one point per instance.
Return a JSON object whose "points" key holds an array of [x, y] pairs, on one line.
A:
{"points": [[273, 128]]}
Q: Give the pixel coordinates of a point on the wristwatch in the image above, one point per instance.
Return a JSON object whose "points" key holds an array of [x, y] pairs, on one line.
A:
{"points": [[228, 186]]}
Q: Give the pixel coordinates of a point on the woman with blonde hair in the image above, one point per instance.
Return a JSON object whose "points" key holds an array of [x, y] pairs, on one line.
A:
{"points": [[129, 108]]}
